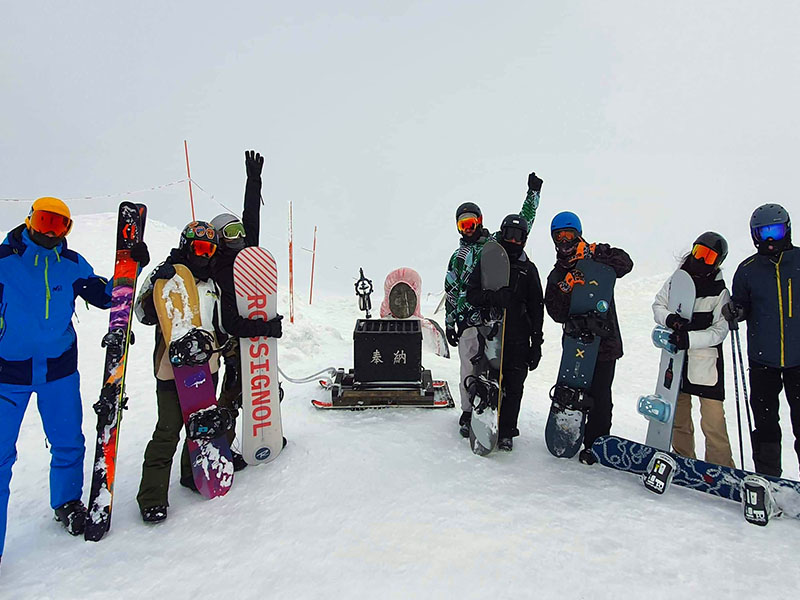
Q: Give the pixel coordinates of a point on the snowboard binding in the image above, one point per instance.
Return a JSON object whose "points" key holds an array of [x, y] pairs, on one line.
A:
{"points": [[586, 327], [566, 397], [483, 392], [193, 349], [654, 408], [757, 500], [660, 471], [209, 423]]}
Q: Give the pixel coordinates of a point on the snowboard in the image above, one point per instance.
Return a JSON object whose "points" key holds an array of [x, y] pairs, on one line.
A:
{"points": [[485, 383], [725, 482], [130, 230], [588, 309], [178, 307], [670, 369], [255, 279]]}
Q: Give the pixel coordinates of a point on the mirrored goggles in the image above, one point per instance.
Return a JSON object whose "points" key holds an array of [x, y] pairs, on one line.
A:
{"points": [[565, 235], [204, 248], [468, 223], [47, 223], [233, 230], [704, 253], [776, 231]]}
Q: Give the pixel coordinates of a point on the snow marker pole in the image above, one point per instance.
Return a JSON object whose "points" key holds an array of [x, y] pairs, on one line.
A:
{"points": [[291, 268], [189, 175], [313, 260]]}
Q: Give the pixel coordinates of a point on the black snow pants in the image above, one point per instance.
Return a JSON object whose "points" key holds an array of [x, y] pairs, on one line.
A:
{"points": [[515, 371], [598, 422]]}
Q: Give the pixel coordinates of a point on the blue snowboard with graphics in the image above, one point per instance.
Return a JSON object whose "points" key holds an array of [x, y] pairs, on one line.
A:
{"points": [[725, 482], [588, 309]]}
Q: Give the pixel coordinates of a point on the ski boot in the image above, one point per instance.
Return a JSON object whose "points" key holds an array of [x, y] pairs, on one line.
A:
{"points": [[757, 501], [506, 444], [154, 514], [73, 516], [463, 423], [660, 470]]}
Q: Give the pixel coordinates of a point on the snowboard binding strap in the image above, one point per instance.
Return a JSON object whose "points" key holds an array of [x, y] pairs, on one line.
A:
{"points": [[483, 392], [570, 398], [193, 349], [209, 423]]}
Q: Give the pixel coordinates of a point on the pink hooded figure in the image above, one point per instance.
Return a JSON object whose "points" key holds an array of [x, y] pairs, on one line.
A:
{"points": [[402, 290]]}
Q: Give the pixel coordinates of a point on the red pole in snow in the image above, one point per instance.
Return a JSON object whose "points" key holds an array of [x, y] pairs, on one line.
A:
{"points": [[189, 174], [291, 269], [313, 259]]}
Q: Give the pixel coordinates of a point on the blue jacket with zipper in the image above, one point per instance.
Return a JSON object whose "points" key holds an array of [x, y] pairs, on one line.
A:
{"points": [[38, 288], [763, 285]]}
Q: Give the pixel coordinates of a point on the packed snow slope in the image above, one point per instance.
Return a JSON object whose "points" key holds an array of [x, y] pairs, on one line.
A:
{"points": [[390, 503]]}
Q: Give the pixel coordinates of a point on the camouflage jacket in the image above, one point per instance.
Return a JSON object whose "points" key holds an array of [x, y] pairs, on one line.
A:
{"points": [[460, 314]]}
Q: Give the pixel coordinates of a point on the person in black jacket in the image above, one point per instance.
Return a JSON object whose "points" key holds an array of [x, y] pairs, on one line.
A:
{"points": [[522, 340], [763, 295], [567, 232], [235, 235]]}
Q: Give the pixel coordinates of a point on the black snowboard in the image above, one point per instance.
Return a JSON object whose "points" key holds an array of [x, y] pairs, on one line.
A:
{"points": [[588, 310]]}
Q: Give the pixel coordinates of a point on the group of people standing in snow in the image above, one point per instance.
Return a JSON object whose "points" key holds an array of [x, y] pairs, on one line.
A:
{"points": [[40, 280], [762, 296]]}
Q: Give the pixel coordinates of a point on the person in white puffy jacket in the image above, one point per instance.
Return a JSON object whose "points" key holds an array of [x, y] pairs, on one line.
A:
{"points": [[701, 337]]}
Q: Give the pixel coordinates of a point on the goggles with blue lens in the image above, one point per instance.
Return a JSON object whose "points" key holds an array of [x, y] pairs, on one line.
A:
{"points": [[776, 231]]}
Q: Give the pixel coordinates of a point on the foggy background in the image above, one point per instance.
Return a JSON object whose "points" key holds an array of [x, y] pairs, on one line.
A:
{"points": [[654, 122]]}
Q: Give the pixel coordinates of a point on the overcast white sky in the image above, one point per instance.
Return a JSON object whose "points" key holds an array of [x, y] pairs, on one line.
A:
{"points": [[653, 121]]}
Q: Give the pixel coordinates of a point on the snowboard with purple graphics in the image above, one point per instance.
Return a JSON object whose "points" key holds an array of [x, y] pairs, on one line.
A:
{"points": [[130, 230], [178, 308]]}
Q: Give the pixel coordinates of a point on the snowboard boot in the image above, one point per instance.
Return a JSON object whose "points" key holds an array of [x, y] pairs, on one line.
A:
{"points": [[239, 462], [188, 482], [463, 423], [506, 444], [73, 516], [154, 514], [587, 457]]}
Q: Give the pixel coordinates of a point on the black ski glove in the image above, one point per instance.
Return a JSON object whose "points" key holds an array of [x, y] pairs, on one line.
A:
{"points": [[232, 378], [534, 356], [253, 163], [140, 254], [163, 271], [273, 327], [601, 250], [733, 312], [679, 339], [500, 298], [534, 183], [677, 322], [452, 337]]}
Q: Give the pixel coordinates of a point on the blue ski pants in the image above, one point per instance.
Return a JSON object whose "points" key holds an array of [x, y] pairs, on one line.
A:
{"points": [[59, 404]]}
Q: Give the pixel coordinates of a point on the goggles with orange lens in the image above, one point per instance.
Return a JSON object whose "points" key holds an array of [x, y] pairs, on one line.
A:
{"points": [[46, 222], [204, 248], [468, 223], [565, 235], [704, 253]]}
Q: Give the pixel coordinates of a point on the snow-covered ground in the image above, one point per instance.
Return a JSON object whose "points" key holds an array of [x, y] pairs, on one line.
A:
{"points": [[391, 503]]}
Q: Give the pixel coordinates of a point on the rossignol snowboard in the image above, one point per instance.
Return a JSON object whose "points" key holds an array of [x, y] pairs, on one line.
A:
{"points": [[659, 408], [190, 347], [725, 482], [485, 385], [255, 278], [588, 309], [130, 230]]}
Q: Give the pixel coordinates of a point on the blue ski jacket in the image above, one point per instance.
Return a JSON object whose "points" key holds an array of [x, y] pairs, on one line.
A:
{"points": [[38, 288]]}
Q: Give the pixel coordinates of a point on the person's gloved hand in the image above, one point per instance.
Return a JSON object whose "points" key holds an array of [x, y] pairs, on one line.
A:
{"points": [[273, 327], [140, 254], [676, 322], [534, 183], [163, 271], [534, 356], [571, 279], [232, 377], [452, 337], [501, 298], [601, 250], [583, 250], [733, 312], [253, 163], [679, 339]]}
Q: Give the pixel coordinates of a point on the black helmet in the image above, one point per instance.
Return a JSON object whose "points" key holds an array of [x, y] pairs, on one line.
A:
{"points": [[714, 241], [514, 229], [199, 231], [768, 216], [468, 207]]}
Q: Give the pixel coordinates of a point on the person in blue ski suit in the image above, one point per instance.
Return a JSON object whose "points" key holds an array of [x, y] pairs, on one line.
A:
{"points": [[40, 279]]}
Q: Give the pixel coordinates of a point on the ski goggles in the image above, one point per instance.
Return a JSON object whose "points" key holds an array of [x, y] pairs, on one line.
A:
{"points": [[565, 235], [515, 235], [468, 223], [776, 231], [233, 230], [704, 253], [47, 222], [203, 248]]}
